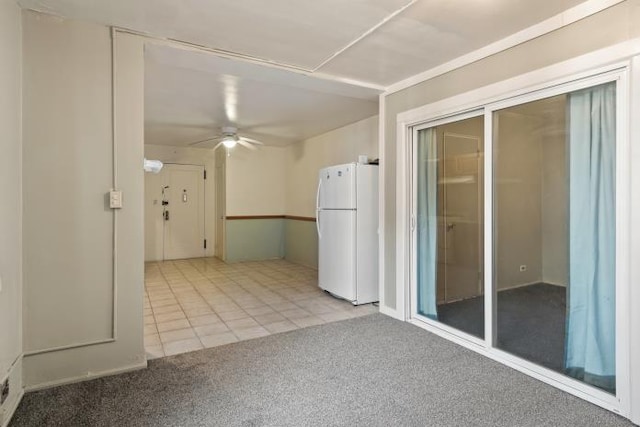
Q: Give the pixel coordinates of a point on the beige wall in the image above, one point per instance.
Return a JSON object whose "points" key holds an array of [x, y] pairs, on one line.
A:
{"points": [[11, 205], [254, 187], [611, 26], [181, 155], [67, 145], [531, 197], [255, 181], [305, 159], [555, 204], [68, 227], [518, 190]]}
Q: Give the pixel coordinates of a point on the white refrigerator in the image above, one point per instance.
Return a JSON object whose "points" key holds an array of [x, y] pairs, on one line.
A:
{"points": [[347, 223]]}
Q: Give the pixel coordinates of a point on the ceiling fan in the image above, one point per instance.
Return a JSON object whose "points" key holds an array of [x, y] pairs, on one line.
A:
{"points": [[229, 138]]}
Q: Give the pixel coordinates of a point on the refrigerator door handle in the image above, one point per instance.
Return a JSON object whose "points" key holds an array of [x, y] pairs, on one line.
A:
{"points": [[318, 195], [318, 208], [318, 223]]}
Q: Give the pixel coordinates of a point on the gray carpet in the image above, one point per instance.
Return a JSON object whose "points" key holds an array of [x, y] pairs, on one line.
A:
{"points": [[531, 322], [369, 371]]}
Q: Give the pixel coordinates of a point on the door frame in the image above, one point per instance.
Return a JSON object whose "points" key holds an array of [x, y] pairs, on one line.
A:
{"points": [[514, 94], [220, 208]]}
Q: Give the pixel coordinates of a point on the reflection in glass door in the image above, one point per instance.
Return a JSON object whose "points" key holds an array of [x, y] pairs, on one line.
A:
{"points": [[554, 233], [449, 236]]}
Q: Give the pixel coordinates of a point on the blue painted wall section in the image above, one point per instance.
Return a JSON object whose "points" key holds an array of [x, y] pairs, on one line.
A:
{"points": [[255, 239]]}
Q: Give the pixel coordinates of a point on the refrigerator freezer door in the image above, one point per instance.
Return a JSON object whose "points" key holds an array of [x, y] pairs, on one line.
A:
{"points": [[336, 264], [337, 188]]}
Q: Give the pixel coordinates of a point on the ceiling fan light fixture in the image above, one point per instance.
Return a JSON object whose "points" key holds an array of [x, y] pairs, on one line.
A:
{"points": [[229, 141]]}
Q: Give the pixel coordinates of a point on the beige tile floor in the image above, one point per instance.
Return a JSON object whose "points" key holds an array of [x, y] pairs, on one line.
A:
{"points": [[200, 303]]}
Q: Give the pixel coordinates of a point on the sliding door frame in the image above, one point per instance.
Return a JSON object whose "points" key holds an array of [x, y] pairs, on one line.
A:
{"points": [[459, 108]]}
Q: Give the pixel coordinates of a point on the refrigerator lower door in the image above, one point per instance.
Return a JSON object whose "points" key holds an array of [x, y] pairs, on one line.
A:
{"points": [[337, 257]]}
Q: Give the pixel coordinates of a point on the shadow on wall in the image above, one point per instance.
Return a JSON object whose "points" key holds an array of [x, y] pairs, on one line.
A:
{"points": [[297, 151]]}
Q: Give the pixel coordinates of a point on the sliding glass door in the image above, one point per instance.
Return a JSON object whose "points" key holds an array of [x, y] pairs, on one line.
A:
{"points": [[541, 233]]}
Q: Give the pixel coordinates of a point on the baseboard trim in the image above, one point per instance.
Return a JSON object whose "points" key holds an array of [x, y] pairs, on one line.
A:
{"points": [[555, 284], [14, 376], [87, 377], [522, 285], [390, 312], [12, 410], [298, 262]]}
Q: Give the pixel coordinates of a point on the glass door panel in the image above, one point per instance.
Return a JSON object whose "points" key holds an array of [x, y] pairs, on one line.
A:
{"points": [[449, 235], [554, 233]]}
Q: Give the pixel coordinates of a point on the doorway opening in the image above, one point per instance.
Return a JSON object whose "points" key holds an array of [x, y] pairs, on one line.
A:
{"points": [[262, 135]]}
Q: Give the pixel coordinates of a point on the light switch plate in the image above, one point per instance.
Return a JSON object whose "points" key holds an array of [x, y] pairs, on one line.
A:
{"points": [[115, 199]]}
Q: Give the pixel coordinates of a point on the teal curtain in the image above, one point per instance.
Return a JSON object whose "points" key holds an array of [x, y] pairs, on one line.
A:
{"points": [[427, 222], [590, 334]]}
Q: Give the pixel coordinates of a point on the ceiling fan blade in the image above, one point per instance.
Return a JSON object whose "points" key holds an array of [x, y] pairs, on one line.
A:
{"points": [[247, 145], [202, 141], [218, 145], [253, 141]]}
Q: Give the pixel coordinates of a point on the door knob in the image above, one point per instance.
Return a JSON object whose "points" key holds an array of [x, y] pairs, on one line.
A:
{"points": [[166, 215], [450, 226]]}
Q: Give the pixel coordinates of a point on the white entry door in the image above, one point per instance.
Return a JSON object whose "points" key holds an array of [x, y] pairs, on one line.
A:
{"points": [[183, 211], [153, 219], [174, 213]]}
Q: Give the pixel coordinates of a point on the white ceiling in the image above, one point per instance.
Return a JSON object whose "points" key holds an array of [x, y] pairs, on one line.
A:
{"points": [[384, 41], [370, 43], [190, 95], [433, 32]]}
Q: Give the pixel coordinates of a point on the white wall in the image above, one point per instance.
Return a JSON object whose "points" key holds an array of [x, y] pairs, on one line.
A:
{"points": [[11, 205], [255, 181], [71, 304], [305, 159], [181, 155]]}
